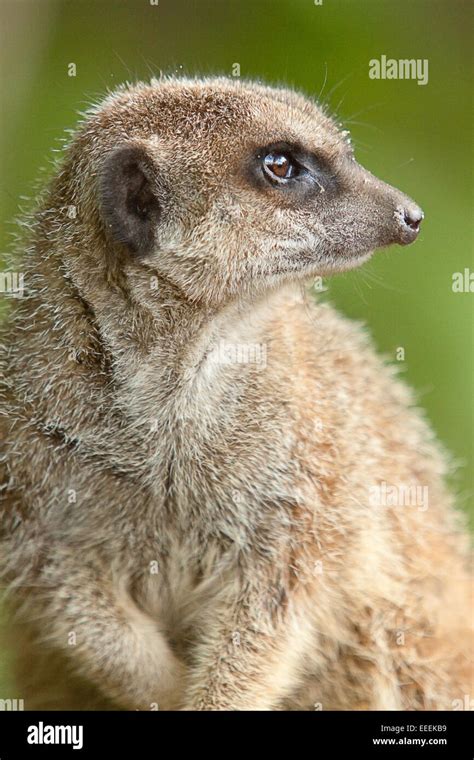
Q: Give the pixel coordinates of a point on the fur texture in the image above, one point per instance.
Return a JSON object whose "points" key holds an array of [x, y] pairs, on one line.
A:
{"points": [[191, 447]]}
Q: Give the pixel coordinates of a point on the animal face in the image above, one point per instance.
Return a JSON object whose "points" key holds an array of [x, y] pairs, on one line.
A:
{"points": [[227, 189]]}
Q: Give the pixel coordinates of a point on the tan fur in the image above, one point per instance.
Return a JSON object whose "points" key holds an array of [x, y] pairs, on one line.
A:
{"points": [[127, 442]]}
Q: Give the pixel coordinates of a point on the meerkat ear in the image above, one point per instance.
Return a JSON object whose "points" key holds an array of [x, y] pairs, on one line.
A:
{"points": [[129, 205]]}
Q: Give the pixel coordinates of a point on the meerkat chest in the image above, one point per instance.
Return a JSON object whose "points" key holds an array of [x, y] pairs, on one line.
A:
{"points": [[226, 457], [221, 478]]}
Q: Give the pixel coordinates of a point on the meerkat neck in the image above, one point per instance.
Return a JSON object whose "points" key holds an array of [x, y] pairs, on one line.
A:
{"points": [[194, 354], [185, 334]]}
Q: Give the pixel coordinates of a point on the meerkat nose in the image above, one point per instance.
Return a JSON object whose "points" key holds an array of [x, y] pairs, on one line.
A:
{"points": [[409, 218], [412, 217]]}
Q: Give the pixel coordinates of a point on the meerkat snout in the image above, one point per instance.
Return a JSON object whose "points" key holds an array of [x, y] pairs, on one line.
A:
{"points": [[403, 225], [390, 216]]}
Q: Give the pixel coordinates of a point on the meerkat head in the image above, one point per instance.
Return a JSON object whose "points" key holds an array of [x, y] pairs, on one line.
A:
{"points": [[226, 188]]}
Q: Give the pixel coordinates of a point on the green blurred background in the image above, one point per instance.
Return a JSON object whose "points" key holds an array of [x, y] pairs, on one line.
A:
{"points": [[418, 138]]}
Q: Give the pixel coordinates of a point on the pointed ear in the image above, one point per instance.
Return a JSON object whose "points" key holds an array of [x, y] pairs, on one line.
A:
{"points": [[129, 205]]}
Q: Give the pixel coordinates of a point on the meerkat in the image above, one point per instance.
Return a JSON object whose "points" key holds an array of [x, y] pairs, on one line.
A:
{"points": [[195, 454]]}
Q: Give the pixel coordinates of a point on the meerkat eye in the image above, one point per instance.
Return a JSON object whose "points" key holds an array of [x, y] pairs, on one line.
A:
{"points": [[279, 166]]}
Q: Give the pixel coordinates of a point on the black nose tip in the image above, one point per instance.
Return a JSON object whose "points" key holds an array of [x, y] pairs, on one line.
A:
{"points": [[409, 218], [413, 217]]}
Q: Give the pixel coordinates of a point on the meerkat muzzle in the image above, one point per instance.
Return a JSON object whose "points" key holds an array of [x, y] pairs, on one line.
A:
{"points": [[397, 216]]}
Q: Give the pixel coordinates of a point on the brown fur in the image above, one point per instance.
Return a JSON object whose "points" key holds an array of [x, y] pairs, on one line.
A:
{"points": [[127, 442]]}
